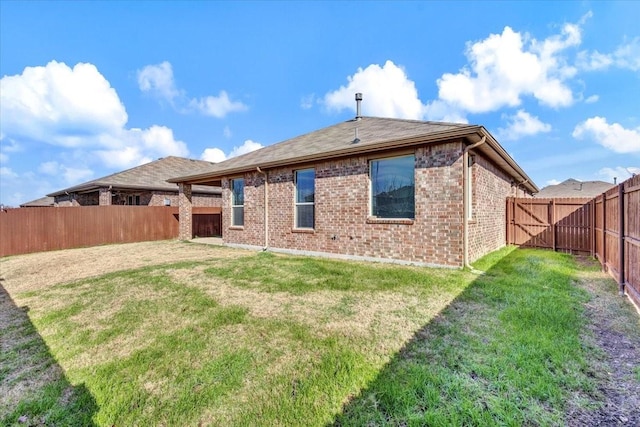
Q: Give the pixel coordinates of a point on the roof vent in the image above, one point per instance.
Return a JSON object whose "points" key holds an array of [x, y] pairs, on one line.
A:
{"points": [[358, 102]]}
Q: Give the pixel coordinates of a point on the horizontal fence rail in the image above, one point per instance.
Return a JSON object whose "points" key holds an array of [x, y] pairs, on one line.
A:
{"points": [[28, 230], [607, 227]]}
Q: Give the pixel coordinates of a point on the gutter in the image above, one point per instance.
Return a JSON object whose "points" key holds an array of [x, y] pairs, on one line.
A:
{"points": [[466, 208], [266, 209]]}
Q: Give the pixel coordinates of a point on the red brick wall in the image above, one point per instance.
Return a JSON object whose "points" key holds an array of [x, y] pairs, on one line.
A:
{"points": [[490, 188], [155, 198], [342, 224]]}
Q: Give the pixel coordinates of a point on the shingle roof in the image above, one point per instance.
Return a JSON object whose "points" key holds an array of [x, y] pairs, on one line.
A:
{"points": [[150, 176], [39, 203], [574, 188], [372, 133]]}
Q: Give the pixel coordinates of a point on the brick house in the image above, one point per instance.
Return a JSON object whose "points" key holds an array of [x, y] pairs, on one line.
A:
{"points": [[146, 185], [369, 188]]}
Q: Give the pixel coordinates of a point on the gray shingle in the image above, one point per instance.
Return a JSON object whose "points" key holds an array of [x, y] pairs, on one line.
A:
{"points": [[150, 176], [574, 188]]}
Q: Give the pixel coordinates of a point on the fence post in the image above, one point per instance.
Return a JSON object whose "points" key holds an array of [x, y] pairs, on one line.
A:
{"points": [[592, 229], [621, 236], [552, 218], [604, 232]]}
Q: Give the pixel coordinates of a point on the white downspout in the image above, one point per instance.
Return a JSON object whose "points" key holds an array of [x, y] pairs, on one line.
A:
{"points": [[266, 209], [466, 208]]}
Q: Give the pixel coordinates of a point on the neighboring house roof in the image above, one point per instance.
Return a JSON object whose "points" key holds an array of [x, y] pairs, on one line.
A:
{"points": [[150, 176], [574, 188], [39, 203], [359, 136]]}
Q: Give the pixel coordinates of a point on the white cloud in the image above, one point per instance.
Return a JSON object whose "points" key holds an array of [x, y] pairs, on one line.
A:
{"points": [[54, 102], [612, 136], [77, 108], [522, 124], [626, 56], [505, 67], [387, 92], [553, 182], [6, 172], [158, 80], [216, 155], [227, 132], [49, 168], [247, 147], [592, 99], [621, 173], [3, 158], [217, 106], [70, 174]]}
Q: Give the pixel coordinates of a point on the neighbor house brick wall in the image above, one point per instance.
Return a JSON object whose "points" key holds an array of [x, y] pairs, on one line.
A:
{"points": [[342, 207], [197, 200]]}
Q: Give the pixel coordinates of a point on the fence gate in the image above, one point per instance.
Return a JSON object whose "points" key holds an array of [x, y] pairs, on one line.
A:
{"points": [[564, 225]]}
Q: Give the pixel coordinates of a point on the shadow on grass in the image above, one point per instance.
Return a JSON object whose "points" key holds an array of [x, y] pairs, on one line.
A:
{"points": [[507, 351], [34, 388]]}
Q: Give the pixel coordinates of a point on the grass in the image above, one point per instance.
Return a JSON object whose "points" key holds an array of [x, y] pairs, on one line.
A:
{"points": [[276, 340]]}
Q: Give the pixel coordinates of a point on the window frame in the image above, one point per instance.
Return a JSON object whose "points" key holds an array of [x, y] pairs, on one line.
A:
{"points": [[297, 204], [372, 215], [235, 207]]}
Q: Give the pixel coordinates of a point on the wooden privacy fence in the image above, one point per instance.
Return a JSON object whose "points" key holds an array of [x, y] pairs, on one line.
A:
{"points": [[607, 227], [28, 230]]}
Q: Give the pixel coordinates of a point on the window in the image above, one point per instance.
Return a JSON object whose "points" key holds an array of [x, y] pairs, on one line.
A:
{"points": [[393, 187], [237, 202], [133, 200], [305, 195]]}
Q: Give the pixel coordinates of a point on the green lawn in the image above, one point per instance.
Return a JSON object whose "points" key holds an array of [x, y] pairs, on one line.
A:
{"points": [[267, 339]]}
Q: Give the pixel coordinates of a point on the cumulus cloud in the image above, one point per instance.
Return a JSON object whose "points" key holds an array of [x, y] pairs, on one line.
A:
{"points": [[77, 109], [217, 106], [621, 173], [504, 68], [7, 172], [522, 124], [71, 175], [553, 182], [56, 102], [388, 92], [216, 155], [625, 56], [158, 80], [612, 136]]}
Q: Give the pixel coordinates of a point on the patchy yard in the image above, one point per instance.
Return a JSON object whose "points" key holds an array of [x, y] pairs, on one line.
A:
{"points": [[183, 334]]}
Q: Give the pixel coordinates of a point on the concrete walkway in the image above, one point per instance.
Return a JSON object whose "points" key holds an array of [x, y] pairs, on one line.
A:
{"points": [[208, 240]]}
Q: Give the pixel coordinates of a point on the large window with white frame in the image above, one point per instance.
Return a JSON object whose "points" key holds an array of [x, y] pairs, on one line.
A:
{"points": [[237, 202], [393, 187], [305, 198]]}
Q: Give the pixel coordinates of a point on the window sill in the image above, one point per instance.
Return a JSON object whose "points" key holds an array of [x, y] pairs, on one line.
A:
{"points": [[237, 227], [374, 220], [303, 230]]}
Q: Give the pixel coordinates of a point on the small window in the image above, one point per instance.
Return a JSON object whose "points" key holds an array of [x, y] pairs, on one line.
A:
{"points": [[237, 202], [393, 187], [133, 200], [305, 198]]}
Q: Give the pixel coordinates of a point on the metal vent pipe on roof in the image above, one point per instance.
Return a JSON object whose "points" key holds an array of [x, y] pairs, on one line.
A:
{"points": [[358, 102]]}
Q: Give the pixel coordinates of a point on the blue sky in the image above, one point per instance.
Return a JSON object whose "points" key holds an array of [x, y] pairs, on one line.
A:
{"points": [[91, 88]]}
